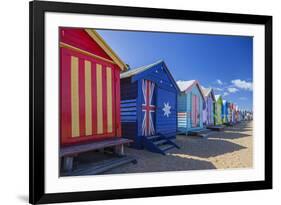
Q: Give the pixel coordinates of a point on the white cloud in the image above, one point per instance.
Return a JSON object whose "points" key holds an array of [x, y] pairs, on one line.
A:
{"points": [[232, 90], [219, 82], [225, 94], [218, 89], [242, 84]]}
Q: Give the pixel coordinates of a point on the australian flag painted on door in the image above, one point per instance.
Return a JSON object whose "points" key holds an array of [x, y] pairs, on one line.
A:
{"points": [[148, 108], [148, 102]]}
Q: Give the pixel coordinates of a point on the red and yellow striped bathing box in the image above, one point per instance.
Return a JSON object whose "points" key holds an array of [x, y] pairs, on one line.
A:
{"points": [[89, 87]]}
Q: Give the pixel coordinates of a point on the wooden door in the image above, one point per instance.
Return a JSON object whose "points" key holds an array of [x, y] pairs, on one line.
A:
{"points": [[195, 111], [166, 115]]}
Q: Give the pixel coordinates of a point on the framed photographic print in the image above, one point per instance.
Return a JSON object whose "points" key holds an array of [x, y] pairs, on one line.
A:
{"points": [[140, 102]]}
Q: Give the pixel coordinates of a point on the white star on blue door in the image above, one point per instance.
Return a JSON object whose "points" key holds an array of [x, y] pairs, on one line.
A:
{"points": [[167, 109]]}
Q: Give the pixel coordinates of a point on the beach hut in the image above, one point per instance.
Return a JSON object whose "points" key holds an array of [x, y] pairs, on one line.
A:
{"points": [[190, 107], [218, 110], [149, 107], [89, 94], [225, 109], [245, 115], [229, 113], [240, 115], [248, 115], [233, 113], [208, 106], [237, 114]]}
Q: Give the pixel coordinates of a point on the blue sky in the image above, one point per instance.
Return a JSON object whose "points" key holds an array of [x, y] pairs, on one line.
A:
{"points": [[221, 62]]}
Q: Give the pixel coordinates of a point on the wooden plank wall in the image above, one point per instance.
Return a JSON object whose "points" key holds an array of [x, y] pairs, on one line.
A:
{"points": [[128, 106]]}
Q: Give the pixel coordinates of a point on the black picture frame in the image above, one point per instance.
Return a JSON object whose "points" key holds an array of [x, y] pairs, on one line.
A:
{"points": [[37, 11]]}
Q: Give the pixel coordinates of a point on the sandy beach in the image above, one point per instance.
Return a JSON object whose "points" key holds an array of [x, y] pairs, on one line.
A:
{"points": [[230, 148]]}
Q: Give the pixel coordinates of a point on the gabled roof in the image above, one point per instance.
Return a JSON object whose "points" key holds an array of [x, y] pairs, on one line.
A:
{"points": [[186, 86], [138, 70], [97, 38], [208, 91], [225, 102], [217, 97], [136, 73]]}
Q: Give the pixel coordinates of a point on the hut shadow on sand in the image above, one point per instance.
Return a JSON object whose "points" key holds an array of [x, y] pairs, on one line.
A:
{"points": [[146, 162], [228, 135], [162, 163], [205, 148], [242, 130]]}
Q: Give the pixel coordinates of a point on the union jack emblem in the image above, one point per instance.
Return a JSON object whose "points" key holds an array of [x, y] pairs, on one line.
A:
{"points": [[147, 108]]}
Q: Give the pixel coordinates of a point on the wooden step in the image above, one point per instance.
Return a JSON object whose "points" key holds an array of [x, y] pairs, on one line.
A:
{"points": [[166, 147], [153, 137], [160, 142], [101, 167]]}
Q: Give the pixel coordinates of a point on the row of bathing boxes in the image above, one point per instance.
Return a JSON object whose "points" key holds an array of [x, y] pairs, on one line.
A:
{"points": [[104, 104]]}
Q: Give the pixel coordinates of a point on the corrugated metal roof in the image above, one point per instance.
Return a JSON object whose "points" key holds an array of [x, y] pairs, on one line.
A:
{"points": [[135, 71], [217, 96], [184, 85], [206, 91]]}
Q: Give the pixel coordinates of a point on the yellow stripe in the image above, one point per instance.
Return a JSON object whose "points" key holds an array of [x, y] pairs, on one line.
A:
{"points": [[98, 39], [74, 97], [65, 45], [109, 99], [99, 100], [88, 98]]}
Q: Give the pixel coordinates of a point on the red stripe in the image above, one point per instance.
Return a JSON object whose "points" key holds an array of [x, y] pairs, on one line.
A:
{"points": [[104, 99], [147, 104], [81, 74], [65, 99], [193, 110], [94, 98], [65, 93], [116, 93], [196, 109], [196, 97]]}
